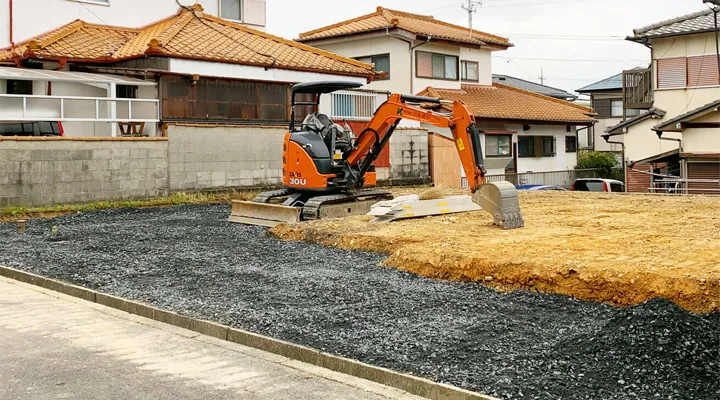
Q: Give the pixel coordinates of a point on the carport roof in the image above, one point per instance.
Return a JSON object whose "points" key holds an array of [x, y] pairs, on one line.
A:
{"points": [[25, 74]]}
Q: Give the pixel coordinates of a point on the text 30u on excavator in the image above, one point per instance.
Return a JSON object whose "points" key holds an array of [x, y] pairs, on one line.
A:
{"points": [[328, 172]]}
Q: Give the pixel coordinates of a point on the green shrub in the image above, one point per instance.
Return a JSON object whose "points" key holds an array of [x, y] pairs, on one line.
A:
{"points": [[605, 163]]}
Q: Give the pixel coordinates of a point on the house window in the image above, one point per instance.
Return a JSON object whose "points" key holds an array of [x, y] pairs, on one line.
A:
{"points": [[382, 64], [469, 71], [231, 9], [570, 144], [526, 146], [498, 145], [536, 146], [672, 73], [126, 92], [617, 108], [19, 87], [436, 66]]}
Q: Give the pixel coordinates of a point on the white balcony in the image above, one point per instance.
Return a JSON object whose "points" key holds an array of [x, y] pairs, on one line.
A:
{"points": [[88, 104]]}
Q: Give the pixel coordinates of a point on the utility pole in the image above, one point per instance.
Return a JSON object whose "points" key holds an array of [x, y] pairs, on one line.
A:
{"points": [[542, 76], [471, 8]]}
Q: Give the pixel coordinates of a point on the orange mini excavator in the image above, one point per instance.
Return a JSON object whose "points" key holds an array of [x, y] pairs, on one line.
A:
{"points": [[328, 172]]}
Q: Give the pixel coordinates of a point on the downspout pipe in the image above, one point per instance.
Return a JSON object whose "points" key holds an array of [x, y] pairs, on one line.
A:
{"points": [[624, 162], [12, 40], [683, 170]]}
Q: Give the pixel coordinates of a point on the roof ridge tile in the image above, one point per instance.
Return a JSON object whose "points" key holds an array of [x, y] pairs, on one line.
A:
{"points": [[671, 21], [379, 12]]}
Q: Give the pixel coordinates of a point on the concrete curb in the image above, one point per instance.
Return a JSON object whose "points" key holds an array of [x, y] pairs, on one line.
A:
{"points": [[411, 384]]}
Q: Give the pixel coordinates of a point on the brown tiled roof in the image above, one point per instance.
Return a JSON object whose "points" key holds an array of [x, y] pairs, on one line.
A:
{"points": [[187, 35], [422, 25], [509, 103]]}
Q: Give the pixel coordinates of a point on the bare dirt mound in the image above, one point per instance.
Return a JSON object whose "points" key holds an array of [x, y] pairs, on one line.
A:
{"points": [[619, 249]]}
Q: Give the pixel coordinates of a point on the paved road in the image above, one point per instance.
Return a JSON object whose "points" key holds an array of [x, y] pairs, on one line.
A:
{"points": [[56, 347]]}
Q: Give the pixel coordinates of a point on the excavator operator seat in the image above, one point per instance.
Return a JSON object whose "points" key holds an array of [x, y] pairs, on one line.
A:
{"points": [[316, 122]]}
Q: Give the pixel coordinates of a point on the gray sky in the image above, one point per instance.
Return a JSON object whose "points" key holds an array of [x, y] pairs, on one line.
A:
{"points": [[596, 28]]}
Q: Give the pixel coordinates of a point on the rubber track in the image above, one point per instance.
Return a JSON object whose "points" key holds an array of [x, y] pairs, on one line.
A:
{"points": [[311, 211]]}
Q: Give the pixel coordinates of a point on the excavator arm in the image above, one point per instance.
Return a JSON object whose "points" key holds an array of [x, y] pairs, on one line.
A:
{"points": [[461, 123], [324, 179], [499, 198]]}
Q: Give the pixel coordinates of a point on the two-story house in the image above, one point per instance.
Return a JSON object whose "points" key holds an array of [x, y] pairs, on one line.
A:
{"points": [[606, 97], [23, 19], [522, 131], [676, 136]]}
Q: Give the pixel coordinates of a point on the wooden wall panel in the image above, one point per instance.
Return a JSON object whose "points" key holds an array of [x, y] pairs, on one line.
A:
{"points": [[444, 161], [638, 182]]}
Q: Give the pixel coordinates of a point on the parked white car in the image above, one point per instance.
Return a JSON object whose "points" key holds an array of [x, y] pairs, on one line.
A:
{"points": [[597, 185]]}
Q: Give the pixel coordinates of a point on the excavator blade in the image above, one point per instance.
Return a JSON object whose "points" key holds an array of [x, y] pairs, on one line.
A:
{"points": [[501, 200], [263, 214]]}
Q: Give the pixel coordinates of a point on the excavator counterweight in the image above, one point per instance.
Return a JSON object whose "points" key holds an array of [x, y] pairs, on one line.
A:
{"points": [[328, 172]]}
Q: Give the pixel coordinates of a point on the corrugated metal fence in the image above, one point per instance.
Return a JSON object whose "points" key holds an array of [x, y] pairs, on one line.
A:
{"points": [[558, 178]]}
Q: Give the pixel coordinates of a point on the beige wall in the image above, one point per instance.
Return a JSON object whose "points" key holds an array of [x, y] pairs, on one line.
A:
{"points": [[642, 142], [484, 59], [599, 131], [399, 51], [678, 101], [703, 140], [402, 65]]}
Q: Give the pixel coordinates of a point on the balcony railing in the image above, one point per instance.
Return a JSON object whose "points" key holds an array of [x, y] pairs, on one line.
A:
{"points": [[638, 89], [77, 109]]}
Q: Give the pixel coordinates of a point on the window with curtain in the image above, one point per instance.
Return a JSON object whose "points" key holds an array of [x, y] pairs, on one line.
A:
{"points": [[436, 66], [617, 108], [498, 145], [231, 9], [382, 64], [469, 71]]}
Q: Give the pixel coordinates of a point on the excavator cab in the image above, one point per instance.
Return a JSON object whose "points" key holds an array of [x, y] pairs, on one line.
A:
{"points": [[328, 170]]}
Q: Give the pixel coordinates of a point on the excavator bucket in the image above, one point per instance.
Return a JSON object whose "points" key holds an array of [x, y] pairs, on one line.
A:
{"points": [[501, 200], [263, 214]]}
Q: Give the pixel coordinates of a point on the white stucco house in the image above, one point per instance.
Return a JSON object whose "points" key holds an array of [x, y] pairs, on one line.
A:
{"points": [[676, 134], [522, 131]]}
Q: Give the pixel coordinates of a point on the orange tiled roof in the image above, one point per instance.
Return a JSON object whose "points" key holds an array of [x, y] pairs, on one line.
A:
{"points": [[509, 103], [418, 24], [188, 35]]}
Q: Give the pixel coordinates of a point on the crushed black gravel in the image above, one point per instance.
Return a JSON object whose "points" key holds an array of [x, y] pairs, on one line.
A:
{"points": [[513, 346]]}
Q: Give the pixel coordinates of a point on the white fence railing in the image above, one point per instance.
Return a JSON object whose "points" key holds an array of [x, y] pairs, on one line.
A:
{"points": [[355, 106], [556, 178], [77, 109]]}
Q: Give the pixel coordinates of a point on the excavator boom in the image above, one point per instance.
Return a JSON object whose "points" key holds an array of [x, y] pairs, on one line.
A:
{"points": [[324, 172]]}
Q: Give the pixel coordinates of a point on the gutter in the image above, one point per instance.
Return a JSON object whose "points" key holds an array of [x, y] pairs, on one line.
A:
{"points": [[680, 145]]}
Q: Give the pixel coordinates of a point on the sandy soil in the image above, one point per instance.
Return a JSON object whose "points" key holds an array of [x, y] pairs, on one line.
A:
{"points": [[620, 249]]}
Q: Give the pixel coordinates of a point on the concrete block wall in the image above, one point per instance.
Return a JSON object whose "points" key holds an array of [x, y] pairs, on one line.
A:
{"points": [[409, 154], [203, 157], [39, 171]]}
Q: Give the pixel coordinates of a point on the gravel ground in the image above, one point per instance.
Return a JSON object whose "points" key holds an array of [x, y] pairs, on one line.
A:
{"points": [[518, 345]]}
